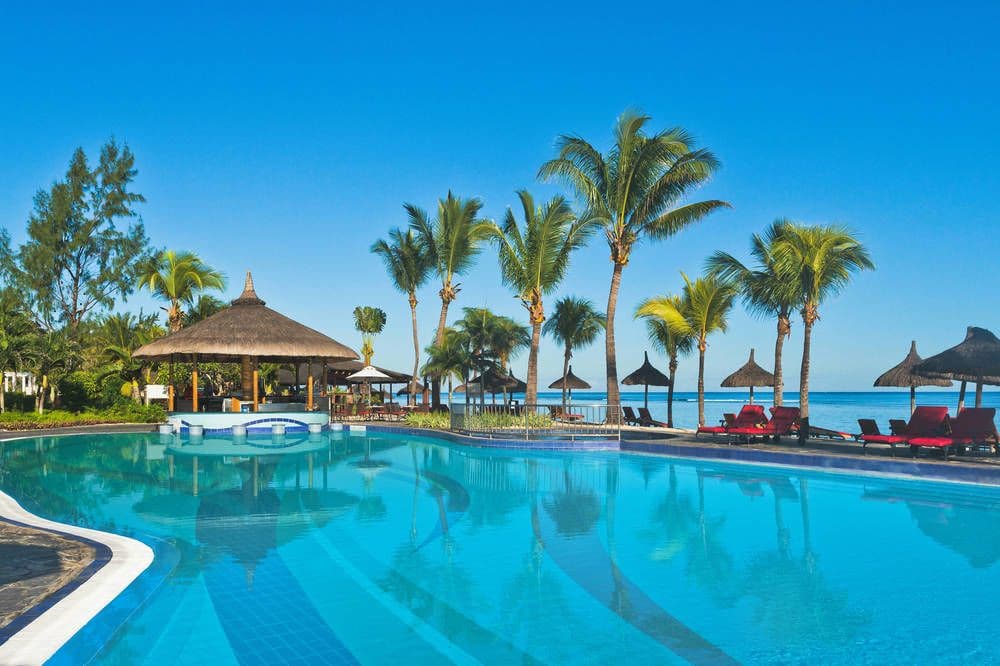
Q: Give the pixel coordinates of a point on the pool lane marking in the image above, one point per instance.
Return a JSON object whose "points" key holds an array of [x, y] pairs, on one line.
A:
{"points": [[641, 612], [42, 637]]}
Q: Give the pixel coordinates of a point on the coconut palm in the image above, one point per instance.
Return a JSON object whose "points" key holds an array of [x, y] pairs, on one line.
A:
{"points": [[492, 339], [452, 359], [673, 343], [821, 260], [766, 291], [369, 322], [203, 308], [702, 310], [120, 334], [636, 190], [575, 323], [408, 263], [178, 278], [533, 261], [452, 241]]}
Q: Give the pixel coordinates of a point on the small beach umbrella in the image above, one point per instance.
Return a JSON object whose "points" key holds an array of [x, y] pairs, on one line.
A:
{"points": [[648, 376], [406, 389], [749, 375], [975, 359], [904, 375], [368, 375], [570, 382]]}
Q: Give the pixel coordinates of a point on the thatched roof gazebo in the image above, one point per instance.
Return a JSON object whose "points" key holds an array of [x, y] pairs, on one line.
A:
{"points": [[568, 382], [750, 375], [648, 376], [904, 375], [491, 381], [248, 332], [975, 359]]}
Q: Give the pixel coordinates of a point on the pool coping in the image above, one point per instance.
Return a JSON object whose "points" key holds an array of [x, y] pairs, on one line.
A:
{"points": [[119, 561]]}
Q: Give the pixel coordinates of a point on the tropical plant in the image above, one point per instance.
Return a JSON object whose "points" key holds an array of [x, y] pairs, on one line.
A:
{"points": [[408, 263], [766, 291], [53, 353], [533, 262], [452, 240], [701, 311], [575, 323], [636, 190], [821, 260], [493, 339], [178, 278], [16, 332], [452, 359], [119, 335], [369, 322], [203, 308], [672, 343]]}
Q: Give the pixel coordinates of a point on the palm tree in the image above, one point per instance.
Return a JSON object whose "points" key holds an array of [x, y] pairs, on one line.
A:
{"points": [[634, 191], [408, 263], [673, 343], [492, 339], [766, 291], [575, 323], [533, 262], [452, 241], [53, 353], [821, 260], [369, 322], [118, 336], [452, 358], [178, 277], [203, 308], [701, 311]]}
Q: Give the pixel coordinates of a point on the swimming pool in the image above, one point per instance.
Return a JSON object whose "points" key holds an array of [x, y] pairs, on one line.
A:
{"points": [[369, 548]]}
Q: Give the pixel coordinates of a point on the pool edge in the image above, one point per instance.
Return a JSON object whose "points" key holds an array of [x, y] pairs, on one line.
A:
{"points": [[41, 638]]}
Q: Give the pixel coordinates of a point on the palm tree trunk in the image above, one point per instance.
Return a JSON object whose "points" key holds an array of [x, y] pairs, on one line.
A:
{"points": [[411, 397], [438, 339], [804, 381], [566, 356], [701, 384], [531, 393], [784, 329], [611, 359], [670, 391]]}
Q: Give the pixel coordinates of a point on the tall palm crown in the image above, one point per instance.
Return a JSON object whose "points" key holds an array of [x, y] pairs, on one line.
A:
{"points": [[533, 262], [369, 322], [702, 310], [178, 278], [636, 190], [575, 323], [408, 263], [118, 335], [673, 344], [821, 260], [768, 289], [452, 358]]}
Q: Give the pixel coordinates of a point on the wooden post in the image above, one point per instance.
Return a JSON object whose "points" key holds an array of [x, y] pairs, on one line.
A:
{"points": [[256, 382], [194, 385], [170, 385], [961, 396], [751, 394], [979, 395], [309, 391]]}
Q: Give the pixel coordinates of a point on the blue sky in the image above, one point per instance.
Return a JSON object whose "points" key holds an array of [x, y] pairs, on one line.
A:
{"points": [[286, 142]]}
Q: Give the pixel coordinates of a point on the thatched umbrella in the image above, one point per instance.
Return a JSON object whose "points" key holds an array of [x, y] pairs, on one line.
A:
{"points": [[406, 389], [903, 375], [750, 375], [248, 332], [493, 382], [568, 383], [975, 359], [648, 376]]}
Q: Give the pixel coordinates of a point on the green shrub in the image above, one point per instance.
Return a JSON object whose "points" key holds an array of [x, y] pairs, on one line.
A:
{"points": [[19, 402], [120, 413], [502, 421], [438, 420], [79, 390]]}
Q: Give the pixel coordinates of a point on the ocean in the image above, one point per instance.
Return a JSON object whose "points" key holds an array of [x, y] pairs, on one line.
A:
{"points": [[827, 409]]}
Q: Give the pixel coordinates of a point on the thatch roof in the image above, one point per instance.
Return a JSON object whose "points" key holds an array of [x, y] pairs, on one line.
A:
{"points": [[572, 382], [339, 371], [406, 389], [646, 374], [905, 376], [975, 359], [494, 382], [247, 328], [750, 374]]}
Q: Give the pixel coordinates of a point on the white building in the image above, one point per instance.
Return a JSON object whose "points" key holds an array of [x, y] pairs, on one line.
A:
{"points": [[19, 382]]}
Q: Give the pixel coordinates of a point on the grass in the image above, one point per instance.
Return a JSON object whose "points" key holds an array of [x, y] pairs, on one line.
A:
{"points": [[122, 413]]}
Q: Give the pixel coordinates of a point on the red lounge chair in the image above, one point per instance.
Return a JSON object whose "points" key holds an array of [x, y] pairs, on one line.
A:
{"points": [[925, 422], [750, 416], [868, 427], [971, 426], [897, 426], [783, 422], [629, 415]]}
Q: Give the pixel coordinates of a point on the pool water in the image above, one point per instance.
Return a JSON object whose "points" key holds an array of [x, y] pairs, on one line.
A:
{"points": [[340, 548]]}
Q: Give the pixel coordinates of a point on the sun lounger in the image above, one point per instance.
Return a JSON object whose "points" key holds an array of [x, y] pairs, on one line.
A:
{"points": [[925, 422], [972, 426], [783, 422], [628, 415], [868, 427], [750, 416], [825, 433], [559, 414], [897, 426], [646, 419]]}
